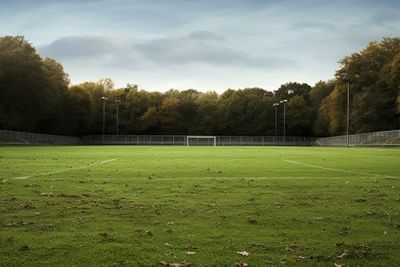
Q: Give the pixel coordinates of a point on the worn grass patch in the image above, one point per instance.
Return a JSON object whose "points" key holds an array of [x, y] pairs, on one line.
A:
{"points": [[200, 206]]}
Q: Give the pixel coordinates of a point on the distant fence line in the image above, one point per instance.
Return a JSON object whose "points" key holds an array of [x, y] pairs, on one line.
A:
{"points": [[16, 137], [374, 138], [180, 140]]}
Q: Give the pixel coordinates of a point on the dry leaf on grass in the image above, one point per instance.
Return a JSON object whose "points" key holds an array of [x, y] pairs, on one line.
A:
{"points": [[243, 253], [190, 252], [341, 256], [293, 248], [301, 258], [47, 194]]}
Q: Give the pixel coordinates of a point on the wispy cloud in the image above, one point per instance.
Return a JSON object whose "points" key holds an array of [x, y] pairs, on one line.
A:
{"points": [[209, 44], [199, 47]]}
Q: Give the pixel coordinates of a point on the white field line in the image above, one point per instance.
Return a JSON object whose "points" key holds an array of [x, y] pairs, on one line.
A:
{"points": [[254, 178], [64, 170], [338, 170]]}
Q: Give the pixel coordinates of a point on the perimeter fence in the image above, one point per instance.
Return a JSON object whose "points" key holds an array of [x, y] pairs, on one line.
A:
{"points": [[366, 139], [25, 138], [181, 140]]}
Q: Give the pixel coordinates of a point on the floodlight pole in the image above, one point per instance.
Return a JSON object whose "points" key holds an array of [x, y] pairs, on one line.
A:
{"points": [[346, 80], [104, 117], [284, 118], [116, 116], [275, 105]]}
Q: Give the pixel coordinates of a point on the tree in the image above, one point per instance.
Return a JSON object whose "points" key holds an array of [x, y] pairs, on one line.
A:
{"points": [[21, 77], [334, 108], [172, 121], [81, 110], [137, 103], [318, 93], [207, 110], [291, 89], [374, 86], [35, 96], [299, 117], [151, 121], [57, 117]]}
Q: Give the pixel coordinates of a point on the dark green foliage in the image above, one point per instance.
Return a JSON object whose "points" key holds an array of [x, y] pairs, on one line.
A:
{"points": [[373, 74], [22, 97], [35, 96]]}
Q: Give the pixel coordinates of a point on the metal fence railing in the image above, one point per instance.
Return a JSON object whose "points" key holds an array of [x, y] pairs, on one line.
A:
{"points": [[374, 138], [264, 141], [16, 137], [180, 140]]}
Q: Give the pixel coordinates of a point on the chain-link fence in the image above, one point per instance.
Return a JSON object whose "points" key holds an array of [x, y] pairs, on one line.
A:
{"points": [[374, 138], [181, 140], [15, 137], [142, 140], [264, 141]]}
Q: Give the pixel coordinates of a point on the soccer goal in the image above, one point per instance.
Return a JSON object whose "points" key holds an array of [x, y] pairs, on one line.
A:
{"points": [[201, 140]]}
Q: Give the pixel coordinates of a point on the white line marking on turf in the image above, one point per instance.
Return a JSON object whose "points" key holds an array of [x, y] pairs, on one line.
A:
{"points": [[107, 161], [336, 170], [64, 170]]}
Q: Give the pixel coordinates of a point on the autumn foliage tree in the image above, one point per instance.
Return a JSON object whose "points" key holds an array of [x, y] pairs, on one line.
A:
{"points": [[36, 95]]}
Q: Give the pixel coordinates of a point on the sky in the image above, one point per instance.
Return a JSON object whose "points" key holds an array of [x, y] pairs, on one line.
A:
{"points": [[200, 44]]}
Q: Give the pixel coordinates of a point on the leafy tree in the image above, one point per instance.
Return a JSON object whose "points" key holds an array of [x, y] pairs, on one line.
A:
{"points": [[151, 121], [172, 121], [291, 89], [318, 93], [374, 86], [336, 110], [21, 85], [208, 123], [35, 96], [57, 117], [299, 117], [81, 110]]}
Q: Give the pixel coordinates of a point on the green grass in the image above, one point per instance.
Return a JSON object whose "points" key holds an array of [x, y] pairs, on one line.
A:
{"points": [[284, 205]]}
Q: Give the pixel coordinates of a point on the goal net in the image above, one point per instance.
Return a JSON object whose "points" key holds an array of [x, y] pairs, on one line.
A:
{"points": [[201, 140]]}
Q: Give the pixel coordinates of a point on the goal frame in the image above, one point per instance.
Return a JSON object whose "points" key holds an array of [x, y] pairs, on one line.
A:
{"points": [[201, 137]]}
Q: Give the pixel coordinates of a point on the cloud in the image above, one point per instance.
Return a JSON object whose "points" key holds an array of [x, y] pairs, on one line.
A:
{"points": [[78, 47], [198, 47], [212, 44]]}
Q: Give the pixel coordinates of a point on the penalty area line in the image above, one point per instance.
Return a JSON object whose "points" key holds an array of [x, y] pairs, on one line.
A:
{"points": [[64, 170], [337, 170]]}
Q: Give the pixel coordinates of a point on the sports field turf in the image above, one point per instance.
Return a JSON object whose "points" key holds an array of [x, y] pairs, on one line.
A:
{"points": [[143, 206]]}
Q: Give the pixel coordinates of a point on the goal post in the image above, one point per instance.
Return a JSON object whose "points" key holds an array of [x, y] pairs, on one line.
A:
{"points": [[201, 140]]}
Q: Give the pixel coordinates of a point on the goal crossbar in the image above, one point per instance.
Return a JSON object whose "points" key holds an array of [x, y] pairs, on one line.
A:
{"points": [[214, 138]]}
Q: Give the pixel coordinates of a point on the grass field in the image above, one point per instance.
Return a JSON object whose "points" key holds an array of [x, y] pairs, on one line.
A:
{"points": [[143, 206]]}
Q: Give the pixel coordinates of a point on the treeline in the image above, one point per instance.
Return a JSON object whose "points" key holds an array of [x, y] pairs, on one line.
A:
{"points": [[36, 95]]}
